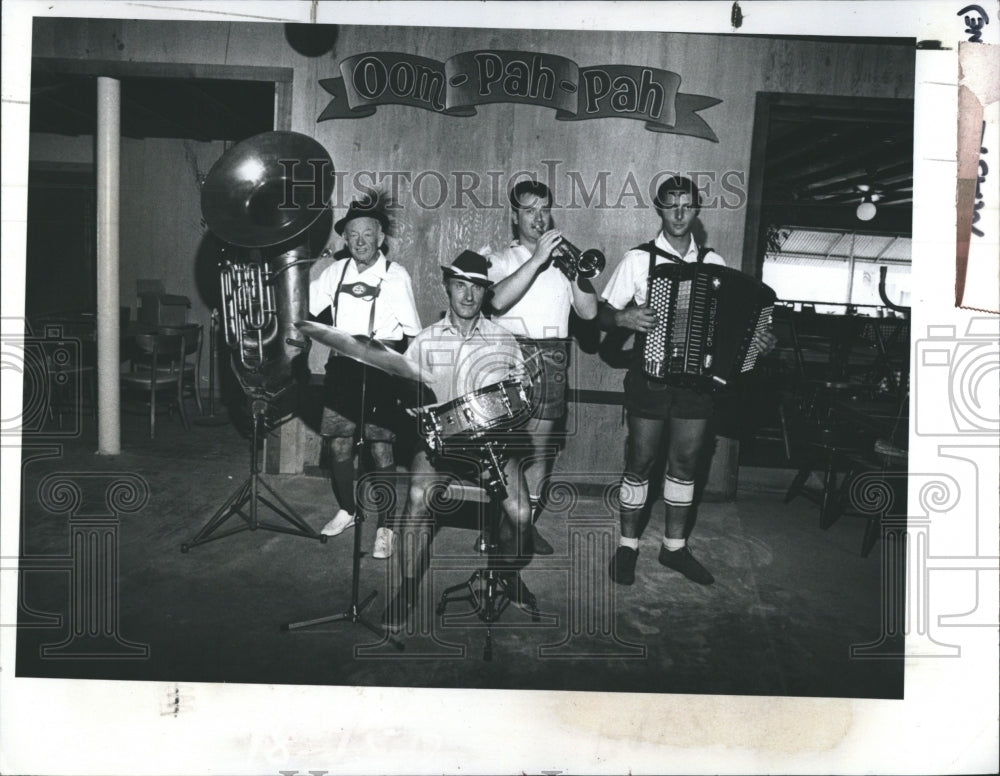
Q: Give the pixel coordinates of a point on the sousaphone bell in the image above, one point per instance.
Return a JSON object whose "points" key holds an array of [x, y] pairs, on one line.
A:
{"points": [[267, 192]]}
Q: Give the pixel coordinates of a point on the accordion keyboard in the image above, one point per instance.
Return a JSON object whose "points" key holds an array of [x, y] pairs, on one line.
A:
{"points": [[706, 319]]}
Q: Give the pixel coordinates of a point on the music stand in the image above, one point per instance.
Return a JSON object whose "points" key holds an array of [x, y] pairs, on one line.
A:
{"points": [[249, 492], [353, 612]]}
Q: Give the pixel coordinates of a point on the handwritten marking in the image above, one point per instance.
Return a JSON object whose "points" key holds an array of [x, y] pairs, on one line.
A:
{"points": [[980, 180], [736, 15], [974, 24]]}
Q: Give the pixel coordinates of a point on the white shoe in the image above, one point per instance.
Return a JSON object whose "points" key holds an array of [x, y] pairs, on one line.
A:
{"points": [[340, 523], [384, 541]]}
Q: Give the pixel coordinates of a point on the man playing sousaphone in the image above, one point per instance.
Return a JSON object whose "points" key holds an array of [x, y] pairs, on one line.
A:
{"points": [[363, 293], [460, 355]]}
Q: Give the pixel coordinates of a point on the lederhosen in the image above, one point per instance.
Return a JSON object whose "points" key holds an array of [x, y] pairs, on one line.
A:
{"points": [[656, 398], [344, 376], [549, 364]]}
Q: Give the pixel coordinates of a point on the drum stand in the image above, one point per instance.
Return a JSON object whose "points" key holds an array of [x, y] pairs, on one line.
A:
{"points": [[249, 493], [353, 613], [488, 590]]}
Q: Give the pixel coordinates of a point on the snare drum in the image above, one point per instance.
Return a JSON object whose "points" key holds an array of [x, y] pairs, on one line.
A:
{"points": [[467, 418]]}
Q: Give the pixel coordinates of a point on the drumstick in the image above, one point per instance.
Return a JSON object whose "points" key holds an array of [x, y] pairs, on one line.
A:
{"points": [[523, 366]]}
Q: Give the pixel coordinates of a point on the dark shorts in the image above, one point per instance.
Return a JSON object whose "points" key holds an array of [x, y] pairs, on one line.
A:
{"points": [[548, 362], [342, 401], [658, 400]]}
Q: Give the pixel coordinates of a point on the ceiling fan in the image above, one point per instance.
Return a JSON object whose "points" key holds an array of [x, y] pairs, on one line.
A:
{"points": [[869, 196]]}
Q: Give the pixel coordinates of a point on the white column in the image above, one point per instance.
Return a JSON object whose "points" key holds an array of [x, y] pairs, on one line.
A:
{"points": [[108, 152]]}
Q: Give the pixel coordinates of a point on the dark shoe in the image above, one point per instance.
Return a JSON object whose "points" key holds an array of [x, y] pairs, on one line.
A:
{"points": [[542, 547], [622, 567], [518, 592], [397, 611], [683, 561], [515, 551]]}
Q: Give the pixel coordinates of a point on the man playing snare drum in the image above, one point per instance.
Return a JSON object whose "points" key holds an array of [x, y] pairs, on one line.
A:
{"points": [[461, 354]]}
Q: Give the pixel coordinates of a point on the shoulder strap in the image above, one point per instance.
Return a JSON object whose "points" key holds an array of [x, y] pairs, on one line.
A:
{"points": [[650, 248], [336, 294], [703, 251], [371, 310], [654, 251]]}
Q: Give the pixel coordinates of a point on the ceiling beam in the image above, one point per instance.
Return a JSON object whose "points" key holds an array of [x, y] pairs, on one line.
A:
{"points": [[59, 106], [135, 106], [850, 163], [808, 141], [234, 118], [126, 70], [897, 220]]}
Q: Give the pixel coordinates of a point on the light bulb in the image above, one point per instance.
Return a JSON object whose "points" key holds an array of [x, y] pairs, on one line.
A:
{"points": [[866, 210]]}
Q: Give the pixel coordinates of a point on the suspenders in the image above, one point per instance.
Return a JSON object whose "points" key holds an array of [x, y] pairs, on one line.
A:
{"points": [[654, 251], [359, 290]]}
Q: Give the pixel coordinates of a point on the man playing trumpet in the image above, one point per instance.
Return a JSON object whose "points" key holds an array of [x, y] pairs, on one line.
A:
{"points": [[532, 297]]}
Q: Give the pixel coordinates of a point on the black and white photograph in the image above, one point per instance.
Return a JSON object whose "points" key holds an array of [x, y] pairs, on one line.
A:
{"points": [[434, 388]]}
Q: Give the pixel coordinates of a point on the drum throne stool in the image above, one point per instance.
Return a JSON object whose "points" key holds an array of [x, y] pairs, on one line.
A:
{"points": [[490, 589]]}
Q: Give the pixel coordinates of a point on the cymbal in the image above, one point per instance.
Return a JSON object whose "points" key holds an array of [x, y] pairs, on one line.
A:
{"points": [[363, 350]]}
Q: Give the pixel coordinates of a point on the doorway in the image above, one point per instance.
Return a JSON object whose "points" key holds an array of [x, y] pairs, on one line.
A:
{"points": [[60, 272]]}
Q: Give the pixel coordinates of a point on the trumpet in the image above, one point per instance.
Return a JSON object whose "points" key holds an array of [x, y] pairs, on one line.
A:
{"points": [[573, 262]]}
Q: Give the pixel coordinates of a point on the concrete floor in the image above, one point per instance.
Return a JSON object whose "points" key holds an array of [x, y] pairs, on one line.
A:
{"points": [[121, 601]]}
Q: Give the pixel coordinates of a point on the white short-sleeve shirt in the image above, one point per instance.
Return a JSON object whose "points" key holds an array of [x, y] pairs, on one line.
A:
{"points": [[628, 281], [457, 364], [395, 308], [543, 311]]}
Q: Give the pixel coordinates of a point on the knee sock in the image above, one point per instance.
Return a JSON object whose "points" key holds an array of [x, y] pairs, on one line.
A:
{"points": [[633, 495], [678, 495], [625, 541], [385, 499], [342, 480]]}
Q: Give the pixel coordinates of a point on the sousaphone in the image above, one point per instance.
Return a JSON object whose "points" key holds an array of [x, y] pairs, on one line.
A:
{"points": [[266, 193]]}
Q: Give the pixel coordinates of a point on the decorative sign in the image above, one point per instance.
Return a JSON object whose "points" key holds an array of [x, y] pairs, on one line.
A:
{"points": [[456, 86]]}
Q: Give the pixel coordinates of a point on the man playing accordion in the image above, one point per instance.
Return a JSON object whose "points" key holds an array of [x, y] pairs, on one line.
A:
{"points": [[661, 410]]}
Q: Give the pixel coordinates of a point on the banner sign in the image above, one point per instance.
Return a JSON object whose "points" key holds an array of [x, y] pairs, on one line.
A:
{"points": [[456, 86]]}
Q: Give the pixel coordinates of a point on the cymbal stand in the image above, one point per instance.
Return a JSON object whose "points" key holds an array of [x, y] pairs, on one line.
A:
{"points": [[249, 493], [353, 613], [488, 589]]}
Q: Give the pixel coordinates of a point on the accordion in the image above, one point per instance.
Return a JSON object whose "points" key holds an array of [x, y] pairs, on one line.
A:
{"points": [[707, 316]]}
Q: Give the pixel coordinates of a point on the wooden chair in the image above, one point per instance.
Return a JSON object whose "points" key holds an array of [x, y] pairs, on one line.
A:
{"points": [[193, 334], [155, 372], [815, 442], [874, 487]]}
